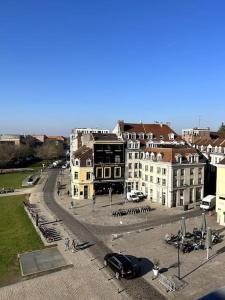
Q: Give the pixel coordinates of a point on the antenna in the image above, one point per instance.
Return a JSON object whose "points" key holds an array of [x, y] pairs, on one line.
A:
{"points": [[199, 121]]}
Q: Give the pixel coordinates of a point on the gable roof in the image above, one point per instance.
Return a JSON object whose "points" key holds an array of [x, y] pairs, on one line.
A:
{"points": [[170, 154]]}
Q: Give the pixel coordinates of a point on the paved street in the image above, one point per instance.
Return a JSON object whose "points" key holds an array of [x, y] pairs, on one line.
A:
{"points": [[138, 288]]}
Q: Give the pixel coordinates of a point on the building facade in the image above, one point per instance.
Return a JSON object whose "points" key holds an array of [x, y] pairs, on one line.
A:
{"points": [[220, 193], [109, 163], [82, 174], [190, 135]]}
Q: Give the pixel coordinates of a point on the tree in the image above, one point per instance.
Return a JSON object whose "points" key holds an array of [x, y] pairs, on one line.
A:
{"points": [[7, 153], [50, 150], [222, 128]]}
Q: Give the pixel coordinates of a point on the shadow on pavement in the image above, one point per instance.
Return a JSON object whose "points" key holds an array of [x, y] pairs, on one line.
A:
{"points": [[144, 265]]}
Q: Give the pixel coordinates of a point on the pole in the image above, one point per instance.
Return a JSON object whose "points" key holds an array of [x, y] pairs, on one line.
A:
{"points": [[178, 257]]}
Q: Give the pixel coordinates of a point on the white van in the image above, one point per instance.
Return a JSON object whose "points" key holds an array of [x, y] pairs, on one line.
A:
{"points": [[132, 197], [209, 202], [140, 194]]}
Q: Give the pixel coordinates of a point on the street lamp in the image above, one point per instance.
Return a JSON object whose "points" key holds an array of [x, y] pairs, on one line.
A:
{"points": [[178, 254], [110, 197]]}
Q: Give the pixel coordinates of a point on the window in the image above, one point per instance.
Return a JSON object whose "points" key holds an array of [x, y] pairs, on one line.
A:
{"points": [[146, 168], [191, 181], [136, 165], [139, 174], [75, 190], [200, 171], [141, 136], [88, 176], [191, 171], [117, 159], [99, 172], [88, 162], [136, 155], [146, 177], [129, 174], [140, 166], [151, 191], [130, 155], [181, 182], [191, 195], [198, 194], [182, 172], [158, 170], [135, 174], [75, 175], [77, 162], [133, 135], [175, 173], [136, 185], [163, 181], [129, 166], [163, 171], [151, 169], [107, 172], [151, 178], [158, 180], [222, 198], [199, 180], [117, 172]]}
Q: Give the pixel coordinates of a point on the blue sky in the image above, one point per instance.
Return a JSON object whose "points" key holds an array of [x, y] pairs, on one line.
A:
{"points": [[78, 63]]}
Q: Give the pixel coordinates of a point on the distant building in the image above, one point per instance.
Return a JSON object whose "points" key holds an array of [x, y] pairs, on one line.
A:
{"points": [[220, 192], [40, 137], [14, 139], [192, 134], [77, 133]]}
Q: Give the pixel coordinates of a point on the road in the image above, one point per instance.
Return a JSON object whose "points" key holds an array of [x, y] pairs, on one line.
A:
{"points": [[137, 288]]}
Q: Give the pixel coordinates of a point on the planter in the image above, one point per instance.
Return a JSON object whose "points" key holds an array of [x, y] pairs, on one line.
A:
{"points": [[155, 272]]}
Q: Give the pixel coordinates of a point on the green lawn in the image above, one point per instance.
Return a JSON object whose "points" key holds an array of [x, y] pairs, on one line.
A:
{"points": [[13, 180], [17, 235]]}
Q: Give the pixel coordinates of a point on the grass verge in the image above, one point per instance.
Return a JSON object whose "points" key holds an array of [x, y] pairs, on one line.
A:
{"points": [[17, 235], [13, 180]]}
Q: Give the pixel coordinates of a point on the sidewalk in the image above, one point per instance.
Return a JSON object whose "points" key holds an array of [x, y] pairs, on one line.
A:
{"points": [[83, 281]]}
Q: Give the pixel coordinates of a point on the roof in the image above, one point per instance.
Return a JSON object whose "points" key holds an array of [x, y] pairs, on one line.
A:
{"points": [[159, 131], [213, 142], [83, 154], [105, 137], [170, 154], [56, 138]]}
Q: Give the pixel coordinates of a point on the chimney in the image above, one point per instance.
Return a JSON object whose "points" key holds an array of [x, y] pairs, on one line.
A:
{"points": [[161, 124]]}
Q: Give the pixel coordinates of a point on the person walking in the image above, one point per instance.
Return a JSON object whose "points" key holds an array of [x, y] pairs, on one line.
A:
{"points": [[73, 245], [66, 244]]}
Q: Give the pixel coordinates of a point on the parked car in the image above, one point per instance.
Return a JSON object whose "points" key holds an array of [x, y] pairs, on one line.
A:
{"points": [[132, 197], [121, 265], [140, 194]]}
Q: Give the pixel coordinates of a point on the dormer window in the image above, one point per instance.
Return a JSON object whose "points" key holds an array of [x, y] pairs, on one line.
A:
{"points": [[150, 136], [88, 163], [179, 158], [147, 155], [190, 158], [77, 162], [161, 137], [127, 135], [141, 136], [152, 156], [159, 156], [171, 136], [133, 135], [130, 145], [196, 158]]}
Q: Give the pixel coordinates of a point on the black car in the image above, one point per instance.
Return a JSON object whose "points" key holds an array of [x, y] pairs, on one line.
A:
{"points": [[121, 265]]}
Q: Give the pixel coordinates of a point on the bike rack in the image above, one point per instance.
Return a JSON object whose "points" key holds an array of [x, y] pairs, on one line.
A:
{"points": [[167, 283]]}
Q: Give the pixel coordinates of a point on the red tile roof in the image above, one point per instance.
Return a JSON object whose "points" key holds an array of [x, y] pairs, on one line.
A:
{"points": [[170, 154]]}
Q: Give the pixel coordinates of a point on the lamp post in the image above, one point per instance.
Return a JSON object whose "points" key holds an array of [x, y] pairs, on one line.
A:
{"points": [[110, 197], [178, 255]]}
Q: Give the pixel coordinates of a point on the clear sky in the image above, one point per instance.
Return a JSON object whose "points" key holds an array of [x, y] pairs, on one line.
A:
{"points": [[81, 63]]}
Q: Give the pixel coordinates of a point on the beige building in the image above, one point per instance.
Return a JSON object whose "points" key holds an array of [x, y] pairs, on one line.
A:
{"points": [[172, 176], [220, 193], [82, 173]]}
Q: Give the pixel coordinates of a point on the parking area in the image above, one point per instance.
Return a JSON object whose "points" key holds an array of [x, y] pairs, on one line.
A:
{"points": [[199, 275]]}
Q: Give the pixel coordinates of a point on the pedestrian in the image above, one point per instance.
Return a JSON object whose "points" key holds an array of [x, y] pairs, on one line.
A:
{"points": [[66, 244], [73, 245], [58, 192], [68, 193]]}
